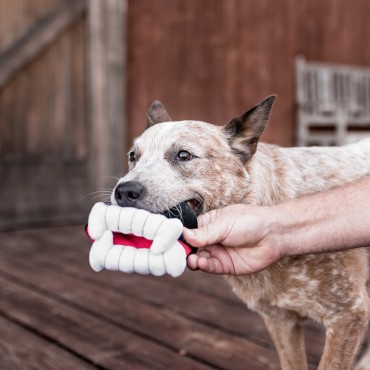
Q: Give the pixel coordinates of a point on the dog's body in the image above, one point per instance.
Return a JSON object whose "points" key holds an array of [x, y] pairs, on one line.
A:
{"points": [[212, 167]]}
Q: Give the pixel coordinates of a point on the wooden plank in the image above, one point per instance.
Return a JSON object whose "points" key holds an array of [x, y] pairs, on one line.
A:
{"points": [[79, 129], [202, 342], [230, 317], [43, 137], [17, 17], [38, 38], [106, 103], [54, 195], [21, 349], [100, 341], [178, 295], [326, 22]]}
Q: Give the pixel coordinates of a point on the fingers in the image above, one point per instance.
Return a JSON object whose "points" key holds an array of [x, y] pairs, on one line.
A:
{"points": [[234, 261], [204, 236], [211, 230], [206, 264], [207, 218], [192, 262]]}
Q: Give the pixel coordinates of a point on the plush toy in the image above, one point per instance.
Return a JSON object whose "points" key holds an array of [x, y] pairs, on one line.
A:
{"points": [[134, 240]]}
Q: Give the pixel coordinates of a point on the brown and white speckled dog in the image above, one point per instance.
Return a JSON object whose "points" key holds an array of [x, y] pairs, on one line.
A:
{"points": [[211, 167]]}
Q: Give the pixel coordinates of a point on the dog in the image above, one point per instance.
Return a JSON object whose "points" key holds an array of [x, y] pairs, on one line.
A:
{"points": [[211, 167]]}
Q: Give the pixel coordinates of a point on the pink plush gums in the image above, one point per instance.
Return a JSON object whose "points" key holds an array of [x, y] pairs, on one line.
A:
{"points": [[131, 240]]}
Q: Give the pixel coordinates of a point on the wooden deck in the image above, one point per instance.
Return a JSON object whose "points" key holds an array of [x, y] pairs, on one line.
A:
{"points": [[56, 313]]}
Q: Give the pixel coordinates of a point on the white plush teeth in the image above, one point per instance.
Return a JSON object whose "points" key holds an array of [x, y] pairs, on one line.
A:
{"points": [[138, 222], [156, 264], [96, 221], [111, 216], [168, 232], [165, 256], [126, 262], [112, 258], [152, 224], [124, 224], [141, 264], [99, 250], [175, 260]]}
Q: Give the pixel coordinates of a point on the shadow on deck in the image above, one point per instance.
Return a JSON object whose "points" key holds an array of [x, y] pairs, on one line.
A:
{"points": [[56, 313]]}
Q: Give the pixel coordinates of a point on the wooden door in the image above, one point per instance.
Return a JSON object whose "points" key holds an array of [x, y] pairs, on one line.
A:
{"points": [[55, 115]]}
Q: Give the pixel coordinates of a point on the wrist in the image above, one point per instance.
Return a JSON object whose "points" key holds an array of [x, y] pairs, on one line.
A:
{"points": [[275, 236]]}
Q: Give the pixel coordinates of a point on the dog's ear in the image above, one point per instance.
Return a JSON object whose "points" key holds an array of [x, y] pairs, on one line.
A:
{"points": [[244, 132], [157, 113]]}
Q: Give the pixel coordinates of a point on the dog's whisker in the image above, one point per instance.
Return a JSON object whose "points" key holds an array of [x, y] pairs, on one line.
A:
{"points": [[107, 200], [99, 197], [111, 177], [95, 195], [99, 191], [179, 210]]}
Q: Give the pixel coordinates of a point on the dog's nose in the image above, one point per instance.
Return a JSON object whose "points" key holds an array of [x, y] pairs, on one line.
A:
{"points": [[127, 193]]}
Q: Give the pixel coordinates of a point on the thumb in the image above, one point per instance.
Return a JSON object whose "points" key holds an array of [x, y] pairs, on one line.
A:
{"points": [[204, 236]]}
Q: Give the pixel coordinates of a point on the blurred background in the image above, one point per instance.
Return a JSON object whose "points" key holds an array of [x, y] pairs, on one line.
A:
{"points": [[76, 78]]}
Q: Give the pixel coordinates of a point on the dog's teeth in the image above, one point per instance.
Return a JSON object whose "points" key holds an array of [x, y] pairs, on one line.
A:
{"points": [[190, 203]]}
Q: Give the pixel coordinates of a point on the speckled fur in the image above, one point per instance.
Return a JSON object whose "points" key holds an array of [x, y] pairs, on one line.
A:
{"points": [[329, 288]]}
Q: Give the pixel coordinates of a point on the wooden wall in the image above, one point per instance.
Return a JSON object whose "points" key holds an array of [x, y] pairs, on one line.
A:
{"points": [[62, 116], [210, 60], [43, 133], [18, 16], [336, 31], [204, 59], [213, 59]]}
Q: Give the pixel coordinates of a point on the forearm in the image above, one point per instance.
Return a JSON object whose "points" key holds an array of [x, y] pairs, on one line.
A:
{"points": [[328, 221]]}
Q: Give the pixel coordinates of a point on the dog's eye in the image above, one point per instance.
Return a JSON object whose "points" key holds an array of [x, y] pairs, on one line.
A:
{"points": [[132, 157], [184, 155]]}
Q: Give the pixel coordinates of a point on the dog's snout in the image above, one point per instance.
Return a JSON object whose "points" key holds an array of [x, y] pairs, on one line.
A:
{"points": [[127, 193]]}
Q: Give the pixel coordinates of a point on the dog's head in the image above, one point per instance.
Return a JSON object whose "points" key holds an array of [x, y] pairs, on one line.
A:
{"points": [[205, 165]]}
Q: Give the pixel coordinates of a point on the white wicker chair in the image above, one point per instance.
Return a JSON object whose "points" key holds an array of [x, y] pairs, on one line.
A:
{"points": [[333, 103]]}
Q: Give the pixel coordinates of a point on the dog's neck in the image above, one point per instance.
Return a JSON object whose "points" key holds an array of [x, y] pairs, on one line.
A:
{"points": [[267, 177], [278, 174]]}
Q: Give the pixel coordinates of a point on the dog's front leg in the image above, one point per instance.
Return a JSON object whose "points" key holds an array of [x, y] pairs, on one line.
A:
{"points": [[344, 334], [289, 342]]}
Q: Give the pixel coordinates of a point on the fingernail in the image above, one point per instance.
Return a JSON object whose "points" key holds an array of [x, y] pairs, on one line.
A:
{"points": [[190, 232]]}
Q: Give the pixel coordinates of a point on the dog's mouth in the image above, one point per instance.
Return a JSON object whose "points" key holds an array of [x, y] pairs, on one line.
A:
{"points": [[196, 205]]}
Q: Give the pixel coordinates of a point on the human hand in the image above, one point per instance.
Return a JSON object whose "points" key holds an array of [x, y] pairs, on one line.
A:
{"points": [[234, 240]]}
